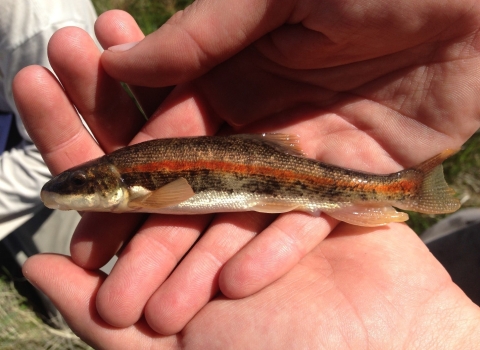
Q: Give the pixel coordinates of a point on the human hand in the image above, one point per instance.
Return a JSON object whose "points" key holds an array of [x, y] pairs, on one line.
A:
{"points": [[360, 288], [355, 104]]}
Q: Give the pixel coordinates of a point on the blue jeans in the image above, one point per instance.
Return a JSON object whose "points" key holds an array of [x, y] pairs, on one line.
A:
{"points": [[5, 123]]}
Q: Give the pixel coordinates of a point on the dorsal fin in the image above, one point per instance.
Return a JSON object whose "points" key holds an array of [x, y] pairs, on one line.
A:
{"points": [[282, 142]]}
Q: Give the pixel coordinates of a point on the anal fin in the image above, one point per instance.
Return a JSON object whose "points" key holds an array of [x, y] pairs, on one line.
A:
{"points": [[367, 216], [169, 195]]}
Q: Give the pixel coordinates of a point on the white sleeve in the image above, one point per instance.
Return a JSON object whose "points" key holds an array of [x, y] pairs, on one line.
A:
{"points": [[25, 29], [22, 174]]}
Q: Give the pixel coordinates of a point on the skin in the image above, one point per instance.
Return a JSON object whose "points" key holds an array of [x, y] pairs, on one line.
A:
{"points": [[374, 86]]}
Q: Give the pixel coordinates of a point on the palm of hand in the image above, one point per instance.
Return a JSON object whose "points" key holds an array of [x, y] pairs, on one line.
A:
{"points": [[393, 110]]}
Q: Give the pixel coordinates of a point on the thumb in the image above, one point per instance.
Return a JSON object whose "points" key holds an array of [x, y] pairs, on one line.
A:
{"points": [[194, 40]]}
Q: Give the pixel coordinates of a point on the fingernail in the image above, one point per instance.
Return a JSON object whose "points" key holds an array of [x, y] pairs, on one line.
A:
{"points": [[123, 47]]}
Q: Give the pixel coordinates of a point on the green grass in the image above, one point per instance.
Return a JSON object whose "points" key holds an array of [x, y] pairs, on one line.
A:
{"points": [[20, 328]]}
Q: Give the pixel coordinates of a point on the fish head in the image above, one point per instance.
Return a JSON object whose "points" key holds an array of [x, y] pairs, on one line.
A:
{"points": [[93, 186]]}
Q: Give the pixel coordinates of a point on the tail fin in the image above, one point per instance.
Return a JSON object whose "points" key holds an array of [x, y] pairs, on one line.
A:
{"points": [[434, 196]]}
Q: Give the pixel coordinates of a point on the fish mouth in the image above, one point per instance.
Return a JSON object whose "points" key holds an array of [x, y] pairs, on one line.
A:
{"points": [[49, 200]]}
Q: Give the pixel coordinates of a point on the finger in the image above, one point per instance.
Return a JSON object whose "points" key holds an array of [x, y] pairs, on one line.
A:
{"points": [[118, 27], [145, 264], [73, 290], [273, 253], [194, 282], [99, 236], [51, 120], [194, 40], [109, 112]]}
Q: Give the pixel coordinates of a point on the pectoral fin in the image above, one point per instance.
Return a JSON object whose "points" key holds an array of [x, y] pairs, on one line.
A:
{"points": [[367, 216], [169, 195]]}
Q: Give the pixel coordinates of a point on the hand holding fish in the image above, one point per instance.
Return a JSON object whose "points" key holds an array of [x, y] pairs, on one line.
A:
{"points": [[377, 89], [372, 286]]}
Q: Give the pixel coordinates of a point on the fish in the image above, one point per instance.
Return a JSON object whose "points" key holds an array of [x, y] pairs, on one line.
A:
{"points": [[267, 173]]}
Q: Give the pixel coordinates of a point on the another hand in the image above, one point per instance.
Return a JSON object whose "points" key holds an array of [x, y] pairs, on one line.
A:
{"points": [[374, 89], [360, 288]]}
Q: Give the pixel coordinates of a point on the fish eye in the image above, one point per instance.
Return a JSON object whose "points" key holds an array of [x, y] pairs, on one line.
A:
{"points": [[78, 178]]}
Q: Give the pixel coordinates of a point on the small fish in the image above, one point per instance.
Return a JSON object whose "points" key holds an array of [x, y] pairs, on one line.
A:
{"points": [[266, 173]]}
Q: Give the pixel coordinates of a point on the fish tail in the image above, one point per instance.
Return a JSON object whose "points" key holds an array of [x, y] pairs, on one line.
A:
{"points": [[433, 195]]}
